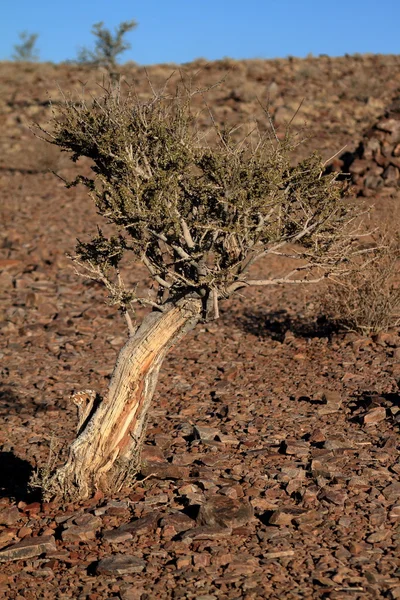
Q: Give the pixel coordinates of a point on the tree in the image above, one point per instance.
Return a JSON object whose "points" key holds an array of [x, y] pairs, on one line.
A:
{"points": [[108, 46], [26, 51], [198, 216]]}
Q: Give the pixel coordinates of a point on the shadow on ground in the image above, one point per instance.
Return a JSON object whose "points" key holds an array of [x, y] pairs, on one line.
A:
{"points": [[367, 401], [276, 324], [15, 474], [10, 403]]}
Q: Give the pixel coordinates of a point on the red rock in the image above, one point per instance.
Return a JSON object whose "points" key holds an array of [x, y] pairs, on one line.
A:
{"points": [[78, 534], [183, 459], [157, 499], [152, 454], [279, 554], [202, 560], [223, 511], [297, 448], [165, 471], [120, 564], [206, 434], [179, 521], [377, 537], [28, 548], [375, 416], [317, 436], [7, 536], [143, 525], [32, 508], [183, 561], [229, 491], [229, 440], [81, 528], [99, 495], [206, 533], [394, 512], [333, 400], [392, 492], [8, 263], [131, 593], [287, 515], [116, 536], [9, 516], [357, 548], [333, 496], [25, 531], [242, 566]]}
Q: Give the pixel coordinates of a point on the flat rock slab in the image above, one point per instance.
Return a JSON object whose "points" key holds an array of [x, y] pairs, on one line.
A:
{"points": [[165, 470], [81, 528], [223, 511], [9, 516], [120, 564], [206, 434], [28, 548], [287, 515], [179, 521], [392, 492], [144, 525], [116, 536], [206, 533], [77, 533], [375, 415]]}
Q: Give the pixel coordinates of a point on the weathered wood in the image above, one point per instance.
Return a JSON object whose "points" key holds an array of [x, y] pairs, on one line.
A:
{"points": [[107, 449]]}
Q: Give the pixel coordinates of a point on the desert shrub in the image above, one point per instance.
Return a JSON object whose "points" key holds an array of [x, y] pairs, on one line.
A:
{"points": [[26, 51], [366, 299], [108, 46], [198, 214]]}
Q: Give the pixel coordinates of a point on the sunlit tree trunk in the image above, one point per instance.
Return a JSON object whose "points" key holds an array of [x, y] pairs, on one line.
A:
{"points": [[107, 449]]}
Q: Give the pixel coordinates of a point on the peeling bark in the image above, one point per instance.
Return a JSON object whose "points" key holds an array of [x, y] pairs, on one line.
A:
{"points": [[107, 450]]}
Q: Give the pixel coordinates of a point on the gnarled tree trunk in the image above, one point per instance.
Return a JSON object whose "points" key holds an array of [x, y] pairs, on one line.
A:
{"points": [[107, 449]]}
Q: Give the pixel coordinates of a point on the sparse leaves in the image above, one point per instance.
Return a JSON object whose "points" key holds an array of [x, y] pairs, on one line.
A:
{"points": [[108, 45], [104, 252], [198, 215], [26, 51], [367, 299]]}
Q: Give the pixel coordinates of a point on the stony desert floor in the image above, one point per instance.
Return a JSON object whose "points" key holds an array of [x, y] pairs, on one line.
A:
{"points": [[271, 466]]}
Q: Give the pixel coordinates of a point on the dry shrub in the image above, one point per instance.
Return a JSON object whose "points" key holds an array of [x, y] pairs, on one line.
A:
{"points": [[197, 214], [42, 476], [367, 299]]}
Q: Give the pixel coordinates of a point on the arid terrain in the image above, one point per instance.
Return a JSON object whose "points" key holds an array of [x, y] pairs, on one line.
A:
{"points": [[271, 466]]}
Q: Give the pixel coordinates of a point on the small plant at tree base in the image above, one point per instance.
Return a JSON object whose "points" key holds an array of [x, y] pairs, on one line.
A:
{"points": [[198, 217], [366, 299], [108, 46], [26, 51]]}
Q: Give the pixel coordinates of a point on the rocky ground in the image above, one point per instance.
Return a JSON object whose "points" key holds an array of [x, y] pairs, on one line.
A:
{"points": [[271, 467]]}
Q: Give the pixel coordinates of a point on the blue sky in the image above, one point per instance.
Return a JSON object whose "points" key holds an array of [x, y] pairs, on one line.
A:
{"points": [[181, 30]]}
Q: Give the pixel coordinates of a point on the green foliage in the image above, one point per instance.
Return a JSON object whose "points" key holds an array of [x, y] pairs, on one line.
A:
{"points": [[26, 51], [108, 46], [198, 215], [102, 251]]}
